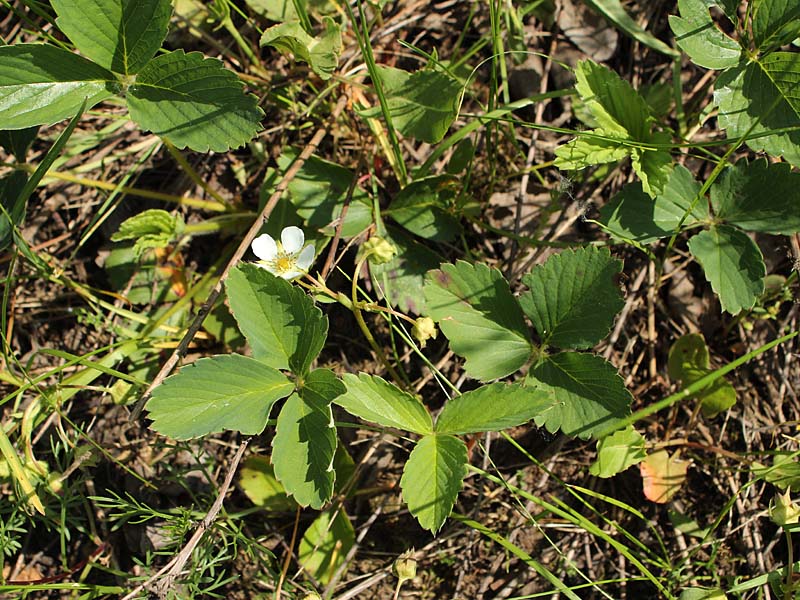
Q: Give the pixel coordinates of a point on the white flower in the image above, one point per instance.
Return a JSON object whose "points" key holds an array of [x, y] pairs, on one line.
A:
{"points": [[287, 258]]}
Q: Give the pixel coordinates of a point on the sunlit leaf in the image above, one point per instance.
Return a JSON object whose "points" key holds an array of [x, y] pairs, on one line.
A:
{"points": [[698, 36], [662, 475], [617, 452], [326, 543], [320, 52]]}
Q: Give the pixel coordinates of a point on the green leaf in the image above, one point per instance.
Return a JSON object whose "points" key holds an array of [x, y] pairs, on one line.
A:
{"points": [[319, 191], [689, 362], [41, 85], [153, 228], [617, 452], [491, 408], [698, 593], [653, 166], [480, 316], [784, 472], [14, 203], [432, 478], [258, 482], [586, 150], [588, 395], [614, 12], [326, 543], [194, 101], [733, 265], [426, 208], [698, 36], [634, 215], [120, 35], [227, 392], [321, 52], [422, 105], [401, 279], [759, 97], [371, 398], [775, 23], [284, 328], [305, 440], [759, 197], [573, 297]]}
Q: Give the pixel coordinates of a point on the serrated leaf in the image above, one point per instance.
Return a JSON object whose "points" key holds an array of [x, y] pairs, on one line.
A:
{"points": [[321, 52], [258, 482], [305, 440], [371, 398], [732, 264], [326, 543], [432, 478], [426, 208], [153, 228], [41, 85], [584, 151], [775, 23], [653, 166], [227, 392], [120, 35], [284, 328], [588, 395], [618, 108], [319, 191], [422, 105], [759, 97], [478, 313], [698, 36], [194, 102], [758, 196], [634, 215], [401, 279], [617, 452], [573, 297], [662, 475], [689, 362], [491, 408]]}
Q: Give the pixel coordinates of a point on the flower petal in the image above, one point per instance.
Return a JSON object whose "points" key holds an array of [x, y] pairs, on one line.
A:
{"points": [[264, 247], [290, 274], [292, 239], [305, 258]]}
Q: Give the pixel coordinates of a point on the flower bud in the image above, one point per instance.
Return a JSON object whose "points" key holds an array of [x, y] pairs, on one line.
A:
{"points": [[783, 511], [424, 329], [405, 566], [378, 250]]}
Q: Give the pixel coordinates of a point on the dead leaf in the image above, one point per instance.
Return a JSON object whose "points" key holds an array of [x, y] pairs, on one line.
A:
{"points": [[587, 30], [662, 475]]}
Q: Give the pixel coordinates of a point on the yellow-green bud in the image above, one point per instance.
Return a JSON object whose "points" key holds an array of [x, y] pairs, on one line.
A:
{"points": [[783, 511], [423, 330], [378, 250], [405, 566], [312, 596]]}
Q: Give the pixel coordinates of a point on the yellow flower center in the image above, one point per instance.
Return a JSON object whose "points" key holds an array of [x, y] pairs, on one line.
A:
{"points": [[283, 263]]}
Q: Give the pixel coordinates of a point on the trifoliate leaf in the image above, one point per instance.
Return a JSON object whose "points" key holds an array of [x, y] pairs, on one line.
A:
{"points": [[761, 96], [573, 297], [698, 36], [194, 101], [41, 85], [228, 392], [634, 215], [371, 398], [432, 478], [422, 105], [617, 452], [305, 440], [321, 52], [153, 228], [120, 35], [733, 265], [491, 408], [758, 196], [284, 328], [480, 316], [588, 395]]}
